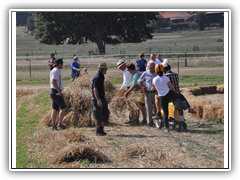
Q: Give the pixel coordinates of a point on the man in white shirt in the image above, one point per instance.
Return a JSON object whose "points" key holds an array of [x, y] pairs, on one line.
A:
{"points": [[56, 94], [126, 75], [153, 57]]}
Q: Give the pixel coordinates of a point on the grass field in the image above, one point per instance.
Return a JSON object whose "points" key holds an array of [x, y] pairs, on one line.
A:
{"points": [[185, 41]]}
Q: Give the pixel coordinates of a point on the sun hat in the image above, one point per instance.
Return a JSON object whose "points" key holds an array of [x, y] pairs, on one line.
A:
{"points": [[166, 63], [120, 63], [102, 65]]}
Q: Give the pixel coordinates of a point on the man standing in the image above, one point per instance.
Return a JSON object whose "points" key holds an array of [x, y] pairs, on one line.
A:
{"points": [[135, 76], [156, 61], [52, 61], [159, 58], [149, 94], [75, 67], [56, 94], [126, 74], [99, 102]]}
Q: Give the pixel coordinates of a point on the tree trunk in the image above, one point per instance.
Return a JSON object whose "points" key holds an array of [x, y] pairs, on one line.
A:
{"points": [[101, 46]]}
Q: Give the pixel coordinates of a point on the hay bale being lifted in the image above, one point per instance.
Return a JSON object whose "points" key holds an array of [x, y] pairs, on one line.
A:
{"points": [[132, 104], [78, 100]]}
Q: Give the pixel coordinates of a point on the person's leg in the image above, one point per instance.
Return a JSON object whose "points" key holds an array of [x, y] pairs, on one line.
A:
{"points": [[148, 108], [157, 103], [164, 104], [54, 115], [61, 115]]}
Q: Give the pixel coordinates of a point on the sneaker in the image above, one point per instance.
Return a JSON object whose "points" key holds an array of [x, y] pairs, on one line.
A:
{"points": [[166, 130], [190, 110], [128, 122]]}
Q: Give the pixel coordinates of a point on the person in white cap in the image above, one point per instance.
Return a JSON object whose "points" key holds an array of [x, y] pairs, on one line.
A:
{"points": [[99, 102], [85, 71], [126, 75], [75, 67]]}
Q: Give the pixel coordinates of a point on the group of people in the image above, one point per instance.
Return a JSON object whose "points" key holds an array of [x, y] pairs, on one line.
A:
{"points": [[75, 67], [158, 83]]}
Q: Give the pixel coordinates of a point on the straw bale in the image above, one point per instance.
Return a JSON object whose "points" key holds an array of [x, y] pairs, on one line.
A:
{"points": [[220, 88], [133, 102], [213, 111], [77, 151], [199, 111]]}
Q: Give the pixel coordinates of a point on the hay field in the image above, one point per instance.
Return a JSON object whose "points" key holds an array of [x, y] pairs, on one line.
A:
{"points": [[125, 146]]}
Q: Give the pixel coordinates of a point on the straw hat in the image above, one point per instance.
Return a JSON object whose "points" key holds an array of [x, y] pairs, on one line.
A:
{"points": [[120, 63], [166, 63], [102, 65]]}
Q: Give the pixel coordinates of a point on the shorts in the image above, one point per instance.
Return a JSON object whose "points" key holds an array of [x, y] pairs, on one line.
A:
{"points": [[100, 114], [57, 101]]}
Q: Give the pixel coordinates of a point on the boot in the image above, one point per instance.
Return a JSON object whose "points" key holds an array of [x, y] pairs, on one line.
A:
{"points": [[158, 116], [100, 131]]}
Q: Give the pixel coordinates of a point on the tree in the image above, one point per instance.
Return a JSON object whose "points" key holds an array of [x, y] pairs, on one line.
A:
{"points": [[98, 27], [30, 23], [160, 23], [21, 18], [201, 19]]}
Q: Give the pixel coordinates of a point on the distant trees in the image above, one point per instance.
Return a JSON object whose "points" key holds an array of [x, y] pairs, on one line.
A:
{"points": [[202, 20], [31, 23], [160, 23], [21, 18], [98, 27]]}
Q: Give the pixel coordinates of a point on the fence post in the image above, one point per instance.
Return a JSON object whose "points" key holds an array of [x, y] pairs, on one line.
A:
{"points": [[178, 66], [150, 50], [27, 53], [55, 52], [30, 68], [185, 59]]}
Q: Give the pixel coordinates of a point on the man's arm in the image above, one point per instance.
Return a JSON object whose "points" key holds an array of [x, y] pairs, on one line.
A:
{"points": [[95, 92], [130, 90], [54, 83]]}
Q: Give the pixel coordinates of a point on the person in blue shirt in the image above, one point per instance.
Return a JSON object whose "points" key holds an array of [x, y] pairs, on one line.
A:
{"points": [[159, 58], [141, 63], [75, 67]]}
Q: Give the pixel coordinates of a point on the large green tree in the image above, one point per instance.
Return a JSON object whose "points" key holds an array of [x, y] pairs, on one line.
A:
{"points": [[202, 20], [98, 27]]}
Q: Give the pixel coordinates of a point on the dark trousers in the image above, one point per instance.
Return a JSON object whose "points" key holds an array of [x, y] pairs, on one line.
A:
{"points": [[170, 96], [101, 114]]}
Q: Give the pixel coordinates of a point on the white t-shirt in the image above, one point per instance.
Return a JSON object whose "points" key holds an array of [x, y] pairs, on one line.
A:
{"points": [[126, 79], [161, 85], [55, 74]]}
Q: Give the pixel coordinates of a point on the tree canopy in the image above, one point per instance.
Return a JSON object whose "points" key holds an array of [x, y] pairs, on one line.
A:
{"points": [[98, 27]]}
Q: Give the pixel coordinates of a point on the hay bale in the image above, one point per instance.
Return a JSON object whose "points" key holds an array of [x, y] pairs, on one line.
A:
{"points": [[133, 102], [76, 151], [220, 88], [213, 111], [208, 89], [199, 111]]}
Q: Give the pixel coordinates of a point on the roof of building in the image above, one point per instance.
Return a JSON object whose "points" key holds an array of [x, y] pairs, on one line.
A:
{"points": [[176, 15]]}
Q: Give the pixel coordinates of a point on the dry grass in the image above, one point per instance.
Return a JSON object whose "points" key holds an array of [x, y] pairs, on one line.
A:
{"points": [[78, 100], [144, 156], [78, 151], [66, 146]]}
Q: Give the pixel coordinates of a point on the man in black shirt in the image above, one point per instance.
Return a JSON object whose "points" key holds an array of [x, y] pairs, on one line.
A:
{"points": [[99, 102]]}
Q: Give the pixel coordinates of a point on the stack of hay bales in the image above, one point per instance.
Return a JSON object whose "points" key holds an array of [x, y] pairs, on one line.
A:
{"points": [[203, 107], [78, 100]]}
